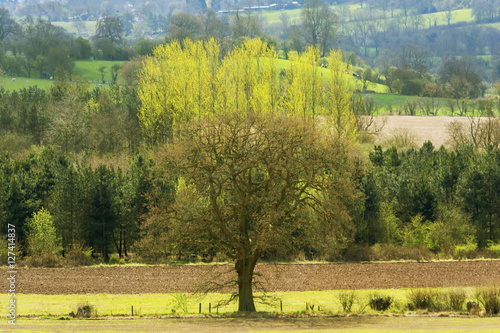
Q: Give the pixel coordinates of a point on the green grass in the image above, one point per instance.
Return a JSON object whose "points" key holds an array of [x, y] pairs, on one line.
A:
{"points": [[395, 101], [88, 69], [85, 68], [163, 304], [21, 82]]}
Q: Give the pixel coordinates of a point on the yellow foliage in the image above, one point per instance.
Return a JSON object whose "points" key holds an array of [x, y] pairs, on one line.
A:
{"points": [[338, 97], [181, 83]]}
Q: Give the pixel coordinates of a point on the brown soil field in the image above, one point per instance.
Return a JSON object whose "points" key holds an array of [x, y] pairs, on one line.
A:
{"points": [[422, 128], [274, 277]]}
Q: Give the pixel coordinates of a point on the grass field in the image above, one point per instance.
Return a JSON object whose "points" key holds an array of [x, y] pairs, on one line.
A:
{"points": [[460, 15], [23, 82], [187, 304], [88, 69]]}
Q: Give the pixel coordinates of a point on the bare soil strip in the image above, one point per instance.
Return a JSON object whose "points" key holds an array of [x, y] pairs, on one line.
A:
{"points": [[279, 277]]}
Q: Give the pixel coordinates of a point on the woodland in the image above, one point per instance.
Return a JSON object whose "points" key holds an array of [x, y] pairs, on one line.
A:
{"points": [[222, 142]]}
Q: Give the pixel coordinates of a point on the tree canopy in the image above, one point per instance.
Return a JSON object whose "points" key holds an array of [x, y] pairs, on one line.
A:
{"points": [[252, 184]]}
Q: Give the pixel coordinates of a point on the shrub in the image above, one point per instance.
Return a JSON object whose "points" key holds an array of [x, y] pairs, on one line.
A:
{"points": [[359, 253], [180, 301], [114, 259], [455, 299], [347, 299], [85, 311], [402, 138], [380, 303], [79, 256], [423, 299], [45, 259], [387, 252], [489, 298], [494, 250], [467, 251]]}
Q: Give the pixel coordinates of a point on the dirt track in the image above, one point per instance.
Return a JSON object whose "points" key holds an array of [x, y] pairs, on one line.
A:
{"points": [[291, 277]]}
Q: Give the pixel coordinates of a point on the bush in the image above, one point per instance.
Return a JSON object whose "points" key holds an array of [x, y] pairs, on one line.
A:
{"points": [[114, 259], [84, 311], [423, 299], [380, 303], [347, 299], [467, 251], [455, 299], [45, 259], [359, 253], [388, 252], [80, 256], [489, 298], [494, 250], [401, 138]]}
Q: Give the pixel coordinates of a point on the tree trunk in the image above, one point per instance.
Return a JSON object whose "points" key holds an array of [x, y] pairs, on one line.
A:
{"points": [[244, 268]]}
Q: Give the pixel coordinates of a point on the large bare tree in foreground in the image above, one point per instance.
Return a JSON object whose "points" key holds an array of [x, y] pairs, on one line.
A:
{"points": [[251, 184]]}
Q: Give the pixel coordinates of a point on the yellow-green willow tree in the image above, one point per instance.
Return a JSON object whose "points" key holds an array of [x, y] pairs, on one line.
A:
{"points": [[338, 98], [182, 83], [303, 81]]}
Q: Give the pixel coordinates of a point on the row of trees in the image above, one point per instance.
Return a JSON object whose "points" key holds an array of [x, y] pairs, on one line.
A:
{"points": [[94, 208], [249, 80]]}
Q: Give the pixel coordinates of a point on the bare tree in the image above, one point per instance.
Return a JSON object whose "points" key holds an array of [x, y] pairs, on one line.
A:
{"points": [[249, 185], [319, 25]]}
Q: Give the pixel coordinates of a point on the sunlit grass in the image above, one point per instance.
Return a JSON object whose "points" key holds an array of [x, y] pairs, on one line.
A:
{"points": [[23, 82], [88, 69], [179, 303]]}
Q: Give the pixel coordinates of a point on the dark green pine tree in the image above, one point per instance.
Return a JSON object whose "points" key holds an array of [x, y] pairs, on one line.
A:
{"points": [[101, 207], [66, 208]]}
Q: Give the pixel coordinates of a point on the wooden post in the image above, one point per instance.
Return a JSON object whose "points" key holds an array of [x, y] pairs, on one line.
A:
{"points": [[132, 310], [281, 305], [209, 307], [200, 307]]}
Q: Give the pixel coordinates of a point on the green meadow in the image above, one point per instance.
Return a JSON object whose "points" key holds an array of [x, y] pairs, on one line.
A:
{"points": [[88, 69], [186, 304]]}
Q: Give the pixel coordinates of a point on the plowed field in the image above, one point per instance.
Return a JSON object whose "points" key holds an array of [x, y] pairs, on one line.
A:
{"points": [[281, 277], [422, 129]]}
